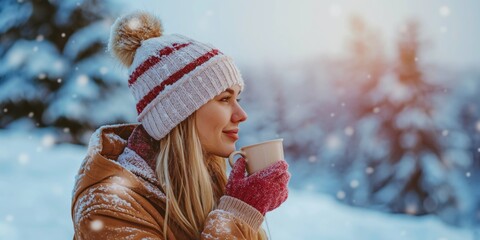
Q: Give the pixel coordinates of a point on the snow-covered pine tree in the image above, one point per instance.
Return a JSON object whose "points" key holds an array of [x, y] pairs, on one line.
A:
{"points": [[54, 68], [355, 77], [412, 171]]}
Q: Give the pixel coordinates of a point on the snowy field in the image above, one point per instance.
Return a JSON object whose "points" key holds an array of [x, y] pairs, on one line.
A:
{"points": [[36, 180]]}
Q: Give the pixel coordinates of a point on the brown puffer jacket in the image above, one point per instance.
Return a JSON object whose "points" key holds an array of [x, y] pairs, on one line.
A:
{"points": [[116, 198]]}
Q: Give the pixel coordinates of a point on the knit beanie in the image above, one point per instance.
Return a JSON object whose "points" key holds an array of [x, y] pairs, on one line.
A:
{"points": [[170, 76]]}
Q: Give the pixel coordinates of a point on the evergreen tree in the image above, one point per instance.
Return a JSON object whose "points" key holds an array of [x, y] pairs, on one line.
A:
{"points": [[357, 78], [413, 173], [54, 69]]}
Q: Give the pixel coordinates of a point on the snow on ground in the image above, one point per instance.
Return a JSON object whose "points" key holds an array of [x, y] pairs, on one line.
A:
{"points": [[36, 181], [308, 215]]}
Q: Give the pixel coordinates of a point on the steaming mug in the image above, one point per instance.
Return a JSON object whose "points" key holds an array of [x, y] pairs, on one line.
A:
{"points": [[260, 155]]}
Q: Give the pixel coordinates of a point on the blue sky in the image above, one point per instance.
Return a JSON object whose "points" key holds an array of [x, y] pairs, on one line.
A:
{"points": [[286, 31]]}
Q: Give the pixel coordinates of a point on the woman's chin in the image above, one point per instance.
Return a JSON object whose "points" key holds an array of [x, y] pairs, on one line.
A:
{"points": [[222, 148], [226, 151]]}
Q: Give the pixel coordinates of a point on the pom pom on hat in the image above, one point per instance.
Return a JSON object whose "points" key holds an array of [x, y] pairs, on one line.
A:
{"points": [[128, 33]]}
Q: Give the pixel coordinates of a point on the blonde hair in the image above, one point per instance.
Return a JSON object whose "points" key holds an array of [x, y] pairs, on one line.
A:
{"points": [[192, 180], [186, 181]]}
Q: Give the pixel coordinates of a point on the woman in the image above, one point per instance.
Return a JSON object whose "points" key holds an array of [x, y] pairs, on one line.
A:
{"points": [[165, 178]]}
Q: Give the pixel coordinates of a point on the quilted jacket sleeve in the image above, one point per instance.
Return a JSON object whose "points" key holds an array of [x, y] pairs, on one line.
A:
{"points": [[233, 219], [108, 225], [106, 212]]}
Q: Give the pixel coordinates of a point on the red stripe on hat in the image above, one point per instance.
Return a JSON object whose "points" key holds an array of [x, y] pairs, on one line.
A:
{"points": [[152, 60], [173, 78]]}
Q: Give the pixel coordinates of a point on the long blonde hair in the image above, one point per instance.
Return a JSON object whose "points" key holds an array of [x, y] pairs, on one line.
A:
{"points": [[192, 180], [186, 181]]}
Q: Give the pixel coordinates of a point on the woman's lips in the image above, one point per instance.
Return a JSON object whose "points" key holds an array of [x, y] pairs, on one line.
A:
{"points": [[232, 133]]}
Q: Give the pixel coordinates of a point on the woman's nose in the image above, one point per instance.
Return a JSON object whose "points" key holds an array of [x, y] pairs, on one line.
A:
{"points": [[239, 115]]}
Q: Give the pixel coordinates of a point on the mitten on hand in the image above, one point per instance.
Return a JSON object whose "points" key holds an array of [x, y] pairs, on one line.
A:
{"points": [[264, 190]]}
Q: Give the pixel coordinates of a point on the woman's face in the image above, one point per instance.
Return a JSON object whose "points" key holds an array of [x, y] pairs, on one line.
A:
{"points": [[218, 122]]}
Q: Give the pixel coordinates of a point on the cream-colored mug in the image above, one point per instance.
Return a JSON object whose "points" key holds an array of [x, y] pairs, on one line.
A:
{"points": [[260, 155]]}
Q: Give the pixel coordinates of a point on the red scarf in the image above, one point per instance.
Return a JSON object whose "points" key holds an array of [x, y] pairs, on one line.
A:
{"points": [[144, 145]]}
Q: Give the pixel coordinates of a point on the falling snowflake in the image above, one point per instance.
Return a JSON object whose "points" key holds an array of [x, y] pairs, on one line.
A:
{"points": [[477, 126], [48, 140], [9, 218], [63, 35], [312, 159], [96, 225], [103, 70], [82, 80], [119, 181], [444, 11], [354, 183], [333, 142], [134, 23], [39, 38], [349, 131], [341, 194], [445, 133], [369, 170], [376, 110], [30, 114], [23, 158], [58, 65]]}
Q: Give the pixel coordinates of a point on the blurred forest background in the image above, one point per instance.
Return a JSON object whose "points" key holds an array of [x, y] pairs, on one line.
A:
{"points": [[393, 134]]}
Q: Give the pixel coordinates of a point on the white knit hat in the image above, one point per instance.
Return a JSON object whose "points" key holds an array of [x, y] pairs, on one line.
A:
{"points": [[171, 76]]}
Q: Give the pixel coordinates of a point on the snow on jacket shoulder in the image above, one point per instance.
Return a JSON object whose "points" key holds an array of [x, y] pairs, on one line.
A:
{"points": [[111, 201]]}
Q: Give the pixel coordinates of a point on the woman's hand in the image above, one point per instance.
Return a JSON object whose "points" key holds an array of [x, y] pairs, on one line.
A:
{"points": [[264, 190]]}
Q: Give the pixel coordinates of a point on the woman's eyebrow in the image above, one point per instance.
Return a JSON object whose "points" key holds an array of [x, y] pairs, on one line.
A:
{"points": [[231, 91]]}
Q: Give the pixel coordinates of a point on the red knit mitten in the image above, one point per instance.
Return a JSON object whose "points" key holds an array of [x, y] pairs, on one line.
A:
{"points": [[264, 190]]}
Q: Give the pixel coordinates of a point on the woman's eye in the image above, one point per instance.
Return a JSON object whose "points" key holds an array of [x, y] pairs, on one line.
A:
{"points": [[226, 99]]}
